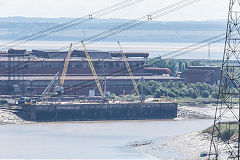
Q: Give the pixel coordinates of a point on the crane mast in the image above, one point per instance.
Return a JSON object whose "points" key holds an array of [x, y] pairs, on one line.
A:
{"points": [[93, 71], [50, 85], [129, 71], [65, 68], [59, 89]]}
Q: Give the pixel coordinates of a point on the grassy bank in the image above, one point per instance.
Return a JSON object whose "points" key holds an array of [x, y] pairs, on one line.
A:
{"points": [[228, 131], [183, 101], [186, 101]]}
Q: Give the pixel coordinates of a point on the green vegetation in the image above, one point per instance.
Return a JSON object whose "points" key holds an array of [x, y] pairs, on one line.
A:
{"points": [[228, 130], [191, 94], [179, 90], [183, 94], [195, 102]]}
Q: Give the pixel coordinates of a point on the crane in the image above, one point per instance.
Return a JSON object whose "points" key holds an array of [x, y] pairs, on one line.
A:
{"points": [[93, 71], [60, 89], [130, 72], [50, 85], [43, 96]]}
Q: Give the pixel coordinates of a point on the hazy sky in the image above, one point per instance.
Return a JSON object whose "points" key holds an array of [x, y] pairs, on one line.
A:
{"points": [[203, 10]]}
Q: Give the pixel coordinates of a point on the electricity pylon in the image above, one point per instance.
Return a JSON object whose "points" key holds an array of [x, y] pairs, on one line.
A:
{"points": [[225, 140]]}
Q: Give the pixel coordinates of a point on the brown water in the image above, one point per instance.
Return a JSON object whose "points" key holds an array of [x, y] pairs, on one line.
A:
{"points": [[92, 140]]}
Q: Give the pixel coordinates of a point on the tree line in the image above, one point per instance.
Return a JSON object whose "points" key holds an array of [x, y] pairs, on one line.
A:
{"points": [[179, 89]]}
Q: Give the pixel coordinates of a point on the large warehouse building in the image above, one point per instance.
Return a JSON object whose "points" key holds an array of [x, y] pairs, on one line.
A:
{"points": [[31, 72]]}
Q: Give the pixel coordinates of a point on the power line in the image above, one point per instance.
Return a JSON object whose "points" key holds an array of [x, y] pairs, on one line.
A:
{"points": [[137, 22], [190, 46], [71, 23], [185, 49], [129, 25], [133, 23], [141, 22], [84, 84], [190, 49]]}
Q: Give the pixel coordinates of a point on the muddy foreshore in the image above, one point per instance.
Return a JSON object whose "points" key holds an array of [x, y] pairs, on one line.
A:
{"points": [[184, 147]]}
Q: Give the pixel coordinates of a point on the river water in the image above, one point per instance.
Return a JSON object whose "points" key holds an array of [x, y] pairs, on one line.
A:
{"points": [[154, 48], [88, 140]]}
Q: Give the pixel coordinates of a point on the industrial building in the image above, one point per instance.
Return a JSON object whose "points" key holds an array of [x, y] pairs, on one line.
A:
{"points": [[207, 74], [29, 72]]}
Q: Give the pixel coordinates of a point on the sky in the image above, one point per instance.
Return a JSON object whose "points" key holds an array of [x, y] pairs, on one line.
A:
{"points": [[202, 10]]}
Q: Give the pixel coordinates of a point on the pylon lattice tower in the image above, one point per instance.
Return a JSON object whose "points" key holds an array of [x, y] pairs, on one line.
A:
{"points": [[224, 143]]}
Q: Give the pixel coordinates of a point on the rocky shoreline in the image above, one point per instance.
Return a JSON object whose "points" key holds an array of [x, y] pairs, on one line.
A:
{"points": [[191, 112], [8, 117], [178, 146], [184, 147], [200, 112]]}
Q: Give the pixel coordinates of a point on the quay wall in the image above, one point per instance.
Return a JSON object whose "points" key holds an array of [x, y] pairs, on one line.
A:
{"points": [[95, 112]]}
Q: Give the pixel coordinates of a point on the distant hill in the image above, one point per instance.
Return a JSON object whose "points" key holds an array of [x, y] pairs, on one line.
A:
{"points": [[156, 31]]}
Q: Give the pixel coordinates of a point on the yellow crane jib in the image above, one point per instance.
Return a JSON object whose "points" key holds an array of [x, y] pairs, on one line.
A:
{"points": [[93, 70], [65, 68], [129, 70]]}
